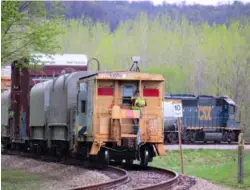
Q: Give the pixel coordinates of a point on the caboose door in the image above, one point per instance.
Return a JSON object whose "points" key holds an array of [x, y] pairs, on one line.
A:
{"points": [[85, 109]]}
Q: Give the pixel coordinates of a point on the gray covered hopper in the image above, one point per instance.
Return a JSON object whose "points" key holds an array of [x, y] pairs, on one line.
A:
{"points": [[64, 97], [39, 103]]}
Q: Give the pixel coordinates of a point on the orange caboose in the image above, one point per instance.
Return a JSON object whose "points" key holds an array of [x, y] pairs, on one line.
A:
{"points": [[105, 118]]}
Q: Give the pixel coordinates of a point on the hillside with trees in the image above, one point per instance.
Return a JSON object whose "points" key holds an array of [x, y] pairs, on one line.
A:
{"points": [[113, 12]]}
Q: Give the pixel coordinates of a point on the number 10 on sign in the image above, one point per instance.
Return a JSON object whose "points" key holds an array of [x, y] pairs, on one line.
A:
{"points": [[178, 110]]}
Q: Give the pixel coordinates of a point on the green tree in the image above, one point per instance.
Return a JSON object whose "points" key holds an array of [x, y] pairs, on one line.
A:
{"points": [[29, 27]]}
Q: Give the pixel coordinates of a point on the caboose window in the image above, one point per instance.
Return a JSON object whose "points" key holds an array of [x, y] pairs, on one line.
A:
{"points": [[83, 106], [127, 93]]}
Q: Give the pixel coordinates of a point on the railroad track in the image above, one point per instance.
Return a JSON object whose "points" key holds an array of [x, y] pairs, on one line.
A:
{"points": [[151, 178], [134, 177], [122, 177]]}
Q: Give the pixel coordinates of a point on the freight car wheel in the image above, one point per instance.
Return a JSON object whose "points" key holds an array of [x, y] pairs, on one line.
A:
{"points": [[144, 157], [104, 156], [129, 161], [38, 150]]}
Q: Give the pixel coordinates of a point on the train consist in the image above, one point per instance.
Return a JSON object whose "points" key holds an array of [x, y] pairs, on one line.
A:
{"points": [[205, 118], [72, 114]]}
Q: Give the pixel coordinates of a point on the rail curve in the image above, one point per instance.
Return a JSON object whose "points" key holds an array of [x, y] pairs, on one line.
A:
{"points": [[124, 177], [127, 178]]}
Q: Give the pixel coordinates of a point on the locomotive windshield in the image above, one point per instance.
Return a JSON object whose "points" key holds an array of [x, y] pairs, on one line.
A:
{"points": [[231, 109]]}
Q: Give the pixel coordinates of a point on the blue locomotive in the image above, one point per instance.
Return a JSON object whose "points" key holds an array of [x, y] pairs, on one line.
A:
{"points": [[205, 118]]}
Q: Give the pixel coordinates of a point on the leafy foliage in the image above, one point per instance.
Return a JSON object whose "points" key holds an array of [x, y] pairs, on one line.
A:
{"points": [[29, 27]]}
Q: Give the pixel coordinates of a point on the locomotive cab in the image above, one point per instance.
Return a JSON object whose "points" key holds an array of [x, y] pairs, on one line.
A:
{"points": [[230, 109], [105, 118]]}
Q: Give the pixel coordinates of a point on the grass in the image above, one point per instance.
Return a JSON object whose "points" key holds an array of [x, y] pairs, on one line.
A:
{"points": [[13, 179], [219, 166]]}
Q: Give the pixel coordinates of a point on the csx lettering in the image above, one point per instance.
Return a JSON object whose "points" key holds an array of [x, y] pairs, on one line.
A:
{"points": [[204, 113]]}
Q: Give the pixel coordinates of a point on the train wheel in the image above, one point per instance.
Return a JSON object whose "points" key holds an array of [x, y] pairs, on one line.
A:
{"points": [[225, 137], [104, 156], [58, 154], [144, 156], [38, 150], [172, 138], [129, 161], [231, 136]]}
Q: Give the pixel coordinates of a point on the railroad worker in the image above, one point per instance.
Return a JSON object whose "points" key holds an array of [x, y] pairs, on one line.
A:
{"points": [[137, 103]]}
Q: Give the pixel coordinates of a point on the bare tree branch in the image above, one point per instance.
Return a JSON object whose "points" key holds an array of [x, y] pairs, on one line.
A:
{"points": [[23, 6]]}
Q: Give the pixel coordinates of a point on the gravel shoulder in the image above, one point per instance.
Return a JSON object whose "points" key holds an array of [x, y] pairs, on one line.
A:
{"points": [[206, 185], [194, 183], [54, 175]]}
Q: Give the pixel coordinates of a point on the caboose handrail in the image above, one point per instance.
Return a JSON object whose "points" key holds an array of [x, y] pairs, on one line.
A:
{"points": [[97, 61]]}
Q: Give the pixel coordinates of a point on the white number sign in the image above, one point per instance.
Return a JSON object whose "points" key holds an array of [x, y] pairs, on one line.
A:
{"points": [[177, 110]]}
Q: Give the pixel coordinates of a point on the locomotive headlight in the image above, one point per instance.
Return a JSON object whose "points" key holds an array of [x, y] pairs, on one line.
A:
{"points": [[136, 59]]}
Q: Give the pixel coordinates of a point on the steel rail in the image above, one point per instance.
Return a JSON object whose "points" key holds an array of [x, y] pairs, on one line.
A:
{"points": [[109, 184]]}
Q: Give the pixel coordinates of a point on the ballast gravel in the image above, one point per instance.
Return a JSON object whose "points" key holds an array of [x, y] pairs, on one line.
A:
{"points": [[206, 185], [193, 183], [140, 179], [54, 175]]}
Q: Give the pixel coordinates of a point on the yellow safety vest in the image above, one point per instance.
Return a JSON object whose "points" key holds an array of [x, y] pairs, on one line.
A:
{"points": [[139, 102]]}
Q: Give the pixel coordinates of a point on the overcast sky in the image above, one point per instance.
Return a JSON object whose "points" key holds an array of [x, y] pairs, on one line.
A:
{"points": [[203, 2]]}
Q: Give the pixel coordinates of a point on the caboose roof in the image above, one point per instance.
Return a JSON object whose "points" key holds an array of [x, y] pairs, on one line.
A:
{"points": [[127, 75]]}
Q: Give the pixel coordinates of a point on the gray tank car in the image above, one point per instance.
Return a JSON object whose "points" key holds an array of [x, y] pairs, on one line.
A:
{"points": [[169, 121]]}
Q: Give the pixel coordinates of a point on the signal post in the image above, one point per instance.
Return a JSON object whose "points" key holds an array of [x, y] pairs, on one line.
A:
{"points": [[179, 114]]}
